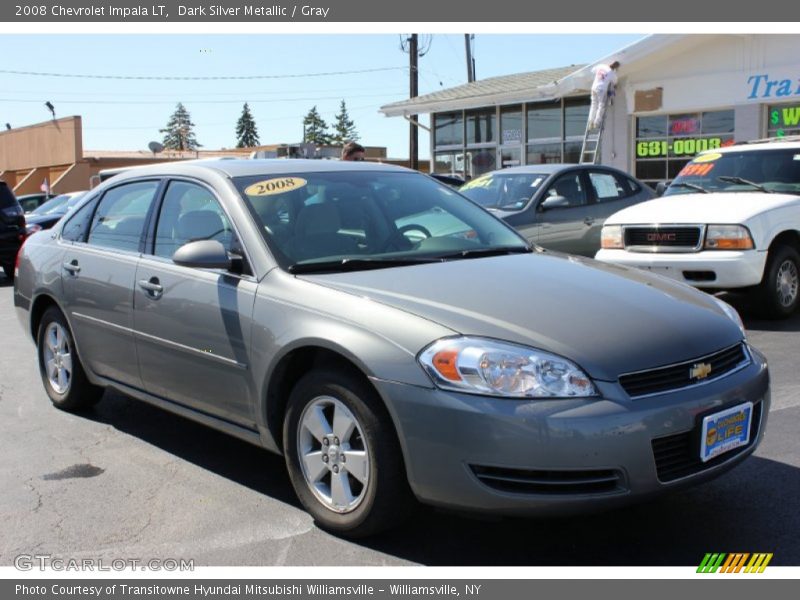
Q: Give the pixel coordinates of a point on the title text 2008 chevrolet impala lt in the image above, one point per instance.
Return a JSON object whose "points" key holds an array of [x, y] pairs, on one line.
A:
{"points": [[394, 341]]}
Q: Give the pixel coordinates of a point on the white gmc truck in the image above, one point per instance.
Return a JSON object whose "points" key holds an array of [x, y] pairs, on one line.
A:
{"points": [[729, 221]]}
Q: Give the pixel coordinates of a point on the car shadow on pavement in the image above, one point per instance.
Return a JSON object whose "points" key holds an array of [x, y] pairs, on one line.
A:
{"points": [[753, 321], [227, 456]]}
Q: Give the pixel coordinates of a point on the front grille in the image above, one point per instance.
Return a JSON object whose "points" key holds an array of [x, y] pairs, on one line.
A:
{"points": [[673, 377], [678, 455], [524, 481], [653, 238]]}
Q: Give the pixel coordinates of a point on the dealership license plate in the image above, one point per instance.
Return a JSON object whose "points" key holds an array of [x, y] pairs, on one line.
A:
{"points": [[726, 430]]}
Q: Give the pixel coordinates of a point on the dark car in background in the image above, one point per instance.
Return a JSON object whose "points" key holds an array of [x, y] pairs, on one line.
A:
{"points": [[454, 181], [558, 206], [30, 202], [12, 229], [49, 213]]}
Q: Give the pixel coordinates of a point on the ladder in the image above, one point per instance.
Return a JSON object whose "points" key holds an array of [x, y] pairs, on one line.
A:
{"points": [[590, 149]]}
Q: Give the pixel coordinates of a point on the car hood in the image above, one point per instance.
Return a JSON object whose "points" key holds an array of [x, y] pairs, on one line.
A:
{"points": [[702, 208], [607, 318]]}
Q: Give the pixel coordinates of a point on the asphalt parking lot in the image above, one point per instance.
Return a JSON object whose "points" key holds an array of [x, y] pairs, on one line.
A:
{"points": [[127, 480]]}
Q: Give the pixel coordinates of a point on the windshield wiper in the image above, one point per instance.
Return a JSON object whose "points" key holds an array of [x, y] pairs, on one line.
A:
{"points": [[691, 186], [732, 179], [357, 264], [482, 252]]}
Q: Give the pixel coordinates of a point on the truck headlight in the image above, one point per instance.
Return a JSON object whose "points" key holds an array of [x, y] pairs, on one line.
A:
{"points": [[728, 237], [611, 237], [493, 368]]}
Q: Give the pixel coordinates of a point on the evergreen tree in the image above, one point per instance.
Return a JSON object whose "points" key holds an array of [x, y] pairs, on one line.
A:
{"points": [[315, 129], [344, 129], [246, 131], [179, 132]]}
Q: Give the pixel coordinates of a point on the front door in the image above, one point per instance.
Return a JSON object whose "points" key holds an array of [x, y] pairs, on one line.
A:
{"points": [[563, 215]]}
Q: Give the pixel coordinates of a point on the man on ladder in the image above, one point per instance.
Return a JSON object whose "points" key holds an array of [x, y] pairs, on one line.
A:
{"points": [[605, 78]]}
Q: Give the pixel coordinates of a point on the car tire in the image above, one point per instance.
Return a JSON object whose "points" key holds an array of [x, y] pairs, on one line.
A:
{"points": [[779, 292], [360, 487], [61, 370], [9, 271]]}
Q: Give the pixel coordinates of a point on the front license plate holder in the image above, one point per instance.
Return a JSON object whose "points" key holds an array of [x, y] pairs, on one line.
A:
{"points": [[726, 430]]}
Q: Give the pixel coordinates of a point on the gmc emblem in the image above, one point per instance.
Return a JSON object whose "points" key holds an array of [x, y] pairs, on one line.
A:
{"points": [[661, 237]]}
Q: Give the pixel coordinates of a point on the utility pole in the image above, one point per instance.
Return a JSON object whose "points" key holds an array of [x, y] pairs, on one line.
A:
{"points": [[413, 132], [468, 38]]}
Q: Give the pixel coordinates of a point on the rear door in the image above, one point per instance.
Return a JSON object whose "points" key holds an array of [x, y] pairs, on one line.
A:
{"points": [[98, 273], [611, 192]]}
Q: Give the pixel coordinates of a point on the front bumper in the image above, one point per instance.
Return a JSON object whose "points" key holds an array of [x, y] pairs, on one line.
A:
{"points": [[450, 441], [730, 269]]}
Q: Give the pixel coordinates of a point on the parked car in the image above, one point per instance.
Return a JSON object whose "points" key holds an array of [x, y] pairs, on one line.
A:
{"points": [[558, 206], [12, 229], [279, 301], [729, 221], [30, 202], [49, 213]]}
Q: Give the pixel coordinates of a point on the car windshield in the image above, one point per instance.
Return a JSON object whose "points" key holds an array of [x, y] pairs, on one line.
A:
{"points": [[509, 191], [369, 219], [775, 170], [57, 204]]}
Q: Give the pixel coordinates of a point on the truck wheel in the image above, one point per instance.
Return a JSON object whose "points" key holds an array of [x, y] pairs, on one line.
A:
{"points": [[779, 291], [62, 373], [343, 456]]}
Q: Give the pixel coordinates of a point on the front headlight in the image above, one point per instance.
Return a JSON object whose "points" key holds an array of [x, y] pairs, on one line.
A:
{"points": [[733, 315], [611, 237], [728, 237], [492, 368]]}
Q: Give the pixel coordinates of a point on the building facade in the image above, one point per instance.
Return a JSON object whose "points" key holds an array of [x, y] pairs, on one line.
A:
{"points": [[677, 95]]}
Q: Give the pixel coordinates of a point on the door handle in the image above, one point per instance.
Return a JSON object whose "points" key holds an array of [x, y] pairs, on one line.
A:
{"points": [[588, 221], [152, 287], [71, 267]]}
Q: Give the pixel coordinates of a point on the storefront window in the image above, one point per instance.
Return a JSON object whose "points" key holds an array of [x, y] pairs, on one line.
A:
{"points": [[449, 129], [665, 143], [783, 120], [572, 152], [444, 162], [511, 124], [544, 153], [480, 162], [576, 114], [481, 126], [510, 157], [544, 121]]}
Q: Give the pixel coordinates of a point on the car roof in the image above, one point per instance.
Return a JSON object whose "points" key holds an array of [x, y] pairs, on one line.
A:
{"points": [[760, 145], [549, 168], [249, 167]]}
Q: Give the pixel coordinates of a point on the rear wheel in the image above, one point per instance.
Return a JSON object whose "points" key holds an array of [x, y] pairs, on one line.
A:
{"points": [[779, 292], [343, 456], [61, 370]]}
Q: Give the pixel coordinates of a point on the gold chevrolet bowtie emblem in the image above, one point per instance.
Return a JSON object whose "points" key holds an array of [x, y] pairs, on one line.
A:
{"points": [[700, 371]]}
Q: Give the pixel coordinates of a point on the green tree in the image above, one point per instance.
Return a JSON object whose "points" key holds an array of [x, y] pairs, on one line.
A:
{"points": [[344, 129], [179, 132], [246, 131], [315, 129]]}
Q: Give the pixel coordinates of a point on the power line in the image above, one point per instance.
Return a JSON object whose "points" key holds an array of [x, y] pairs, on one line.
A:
{"points": [[199, 78], [249, 93], [239, 101]]}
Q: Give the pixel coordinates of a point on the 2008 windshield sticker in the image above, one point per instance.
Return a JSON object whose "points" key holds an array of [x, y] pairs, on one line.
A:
{"points": [[278, 185]]}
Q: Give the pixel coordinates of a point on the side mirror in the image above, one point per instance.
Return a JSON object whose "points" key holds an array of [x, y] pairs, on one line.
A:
{"points": [[202, 254], [661, 187], [554, 202]]}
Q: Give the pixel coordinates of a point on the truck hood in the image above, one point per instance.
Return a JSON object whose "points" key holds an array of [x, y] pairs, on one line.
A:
{"points": [[607, 318], [702, 208]]}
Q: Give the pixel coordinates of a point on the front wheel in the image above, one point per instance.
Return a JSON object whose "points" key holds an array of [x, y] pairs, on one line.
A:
{"points": [[62, 373], [343, 456], [779, 292]]}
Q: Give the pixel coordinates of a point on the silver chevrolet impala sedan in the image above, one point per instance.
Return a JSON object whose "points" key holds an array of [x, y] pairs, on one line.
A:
{"points": [[322, 311]]}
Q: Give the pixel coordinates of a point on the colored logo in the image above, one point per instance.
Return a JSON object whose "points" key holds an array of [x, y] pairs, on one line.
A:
{"points": [[700, 371], [737, 562]]}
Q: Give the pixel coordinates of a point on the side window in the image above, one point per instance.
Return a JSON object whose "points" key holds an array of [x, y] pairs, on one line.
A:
{"points": [[119, 220], [570, 188], [190, 213], [76, 228], [607, 187]]}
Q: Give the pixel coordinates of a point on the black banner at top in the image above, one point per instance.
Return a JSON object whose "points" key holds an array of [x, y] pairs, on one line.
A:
{"points": [[439, 11]]}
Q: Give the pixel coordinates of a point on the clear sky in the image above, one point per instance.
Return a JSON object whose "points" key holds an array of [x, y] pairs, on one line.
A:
{"points": [[126, 114]]}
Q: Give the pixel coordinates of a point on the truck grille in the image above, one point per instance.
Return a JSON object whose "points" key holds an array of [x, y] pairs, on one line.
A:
{"points": [[524, 481], [673, 377], [651, 239], [678, 455]]}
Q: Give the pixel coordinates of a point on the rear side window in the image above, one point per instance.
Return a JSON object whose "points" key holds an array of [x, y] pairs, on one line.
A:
{"points": [[75, 228], [120, 217]]}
